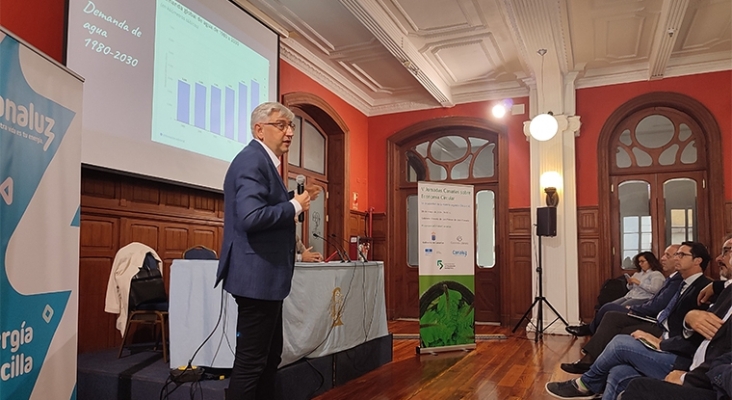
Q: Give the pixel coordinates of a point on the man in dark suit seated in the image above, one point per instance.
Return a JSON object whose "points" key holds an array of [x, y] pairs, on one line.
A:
{"points": [[710, 381], [626, 357], [258, 251], [692, 260], [650, 308]]}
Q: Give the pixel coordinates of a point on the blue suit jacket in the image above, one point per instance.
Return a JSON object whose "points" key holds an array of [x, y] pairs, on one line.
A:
{"points": [[721, 342], [258, 250], [652, 307]]}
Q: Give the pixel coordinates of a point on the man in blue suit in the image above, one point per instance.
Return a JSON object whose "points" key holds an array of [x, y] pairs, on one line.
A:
{"points": [[258, 250]]}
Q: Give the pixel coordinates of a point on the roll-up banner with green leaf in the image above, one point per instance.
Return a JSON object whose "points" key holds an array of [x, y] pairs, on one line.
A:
{"points": [[446, 265]]}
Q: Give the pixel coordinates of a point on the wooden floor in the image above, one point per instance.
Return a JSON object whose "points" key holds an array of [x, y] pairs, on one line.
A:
{"points": [[512, 368]]}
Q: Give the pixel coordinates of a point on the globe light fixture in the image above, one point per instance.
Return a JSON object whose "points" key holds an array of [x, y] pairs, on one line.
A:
{"points": [[543, 127]]}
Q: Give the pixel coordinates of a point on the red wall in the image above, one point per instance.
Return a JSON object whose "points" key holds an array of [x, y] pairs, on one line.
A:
{"points": [[41, 23], [357, 159], [382, 127], [594, 106]]}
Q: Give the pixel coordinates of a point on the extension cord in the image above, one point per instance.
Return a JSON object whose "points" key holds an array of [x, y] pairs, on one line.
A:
{"points": [[186, 374]]}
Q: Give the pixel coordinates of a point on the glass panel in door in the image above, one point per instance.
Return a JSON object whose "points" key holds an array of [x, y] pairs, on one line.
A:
{"points": [[636, 228]]}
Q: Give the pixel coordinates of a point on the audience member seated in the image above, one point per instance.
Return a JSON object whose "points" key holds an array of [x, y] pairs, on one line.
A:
{"points": [[645, 283], [692, 259], [649, 308], [710, 381], [707, 335]]}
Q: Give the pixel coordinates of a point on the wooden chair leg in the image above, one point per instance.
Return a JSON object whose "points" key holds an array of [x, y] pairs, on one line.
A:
{"points": [[165, 344], [124, 336]]}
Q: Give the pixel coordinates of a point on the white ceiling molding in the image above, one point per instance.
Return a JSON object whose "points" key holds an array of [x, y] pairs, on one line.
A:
{"points": [[262, 17], [376, 20], [389, 56], [297, 56], [535, 22], [669, 23]]}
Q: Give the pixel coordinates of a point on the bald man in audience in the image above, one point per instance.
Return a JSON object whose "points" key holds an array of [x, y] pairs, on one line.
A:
{"points": [[705, 336], [707, 380], [621, 323], [648, 308]]}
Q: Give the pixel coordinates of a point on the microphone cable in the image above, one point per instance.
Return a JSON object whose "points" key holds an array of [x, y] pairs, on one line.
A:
{"points": [[354, 358], [189, 373], [218, 322]]}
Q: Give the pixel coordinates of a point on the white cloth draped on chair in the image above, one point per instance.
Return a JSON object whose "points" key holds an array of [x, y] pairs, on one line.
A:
{"points": [[126, 264]]}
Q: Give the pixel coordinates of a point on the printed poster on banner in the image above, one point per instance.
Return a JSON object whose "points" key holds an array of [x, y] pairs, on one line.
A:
{"points": [[40, 167], [446, 264]]}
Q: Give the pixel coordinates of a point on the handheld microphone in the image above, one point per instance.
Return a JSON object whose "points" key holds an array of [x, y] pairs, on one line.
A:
{"points": [[338, 250], [300, 179]]}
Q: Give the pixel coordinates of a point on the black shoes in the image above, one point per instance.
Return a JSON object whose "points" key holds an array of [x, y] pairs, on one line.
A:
{"points": [[579, 330], [577, 367], [568, 390]]}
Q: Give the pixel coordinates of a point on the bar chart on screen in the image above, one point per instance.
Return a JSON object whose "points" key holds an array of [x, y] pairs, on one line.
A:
{"points": [[221, 111], [205, 85]]}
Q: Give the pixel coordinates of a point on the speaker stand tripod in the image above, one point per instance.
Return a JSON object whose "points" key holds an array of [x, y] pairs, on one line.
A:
{"points": [[540, 300]]}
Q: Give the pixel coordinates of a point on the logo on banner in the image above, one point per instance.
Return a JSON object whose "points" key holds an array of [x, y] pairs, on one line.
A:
{"points": [[428, 251], [444, 265], [32, 127], [6, 191], [433, 236], [461, 253], [458, 240]]}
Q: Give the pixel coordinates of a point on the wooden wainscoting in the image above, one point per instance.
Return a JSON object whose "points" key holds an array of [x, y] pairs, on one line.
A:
{"points": [[589, 275], [518, 267], [520, 274], [117, 210]]}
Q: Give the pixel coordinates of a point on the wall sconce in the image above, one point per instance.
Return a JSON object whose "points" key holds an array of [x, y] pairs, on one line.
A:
{"points": [[550, 181], [552, 198]]}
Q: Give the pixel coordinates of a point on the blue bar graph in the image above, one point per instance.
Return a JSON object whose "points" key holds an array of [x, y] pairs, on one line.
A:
{"points": [[229, 113], [207, 106], [243, 113], [199, 108], [254, 96], [215, 110], [184, 102]]}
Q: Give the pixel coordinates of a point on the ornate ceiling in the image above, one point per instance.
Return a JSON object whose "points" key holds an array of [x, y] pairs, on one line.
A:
{"points": [[386, 56]]}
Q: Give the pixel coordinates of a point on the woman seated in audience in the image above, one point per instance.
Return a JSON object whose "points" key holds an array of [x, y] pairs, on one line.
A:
{"points": [[644, 283]]}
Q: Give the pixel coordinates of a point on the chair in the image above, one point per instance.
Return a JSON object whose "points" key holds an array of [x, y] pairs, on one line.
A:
{"points": [[148, 302], [200, 253]]}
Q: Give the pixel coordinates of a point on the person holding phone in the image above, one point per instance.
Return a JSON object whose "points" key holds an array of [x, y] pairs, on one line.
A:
{"points": [[645, 283]]}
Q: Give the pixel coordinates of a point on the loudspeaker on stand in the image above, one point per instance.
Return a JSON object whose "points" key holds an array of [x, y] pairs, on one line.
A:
{"points": [[546, 221]]}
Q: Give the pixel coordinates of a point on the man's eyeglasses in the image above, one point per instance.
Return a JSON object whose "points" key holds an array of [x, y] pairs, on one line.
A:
{"points": [[281, 125], [682, 255]]}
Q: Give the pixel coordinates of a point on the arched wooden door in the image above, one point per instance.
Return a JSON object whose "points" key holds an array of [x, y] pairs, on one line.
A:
{"points": [[464, 151]]}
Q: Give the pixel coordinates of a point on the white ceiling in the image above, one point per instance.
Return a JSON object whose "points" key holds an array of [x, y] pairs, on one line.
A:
{"points": [[387, 56]]}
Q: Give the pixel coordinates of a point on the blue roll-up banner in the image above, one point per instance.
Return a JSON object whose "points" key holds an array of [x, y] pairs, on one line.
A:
{"points": [[40, 167]]}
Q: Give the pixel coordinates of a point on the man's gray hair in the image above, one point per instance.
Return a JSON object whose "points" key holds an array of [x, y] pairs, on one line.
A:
{"points": [[264, 110]]}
